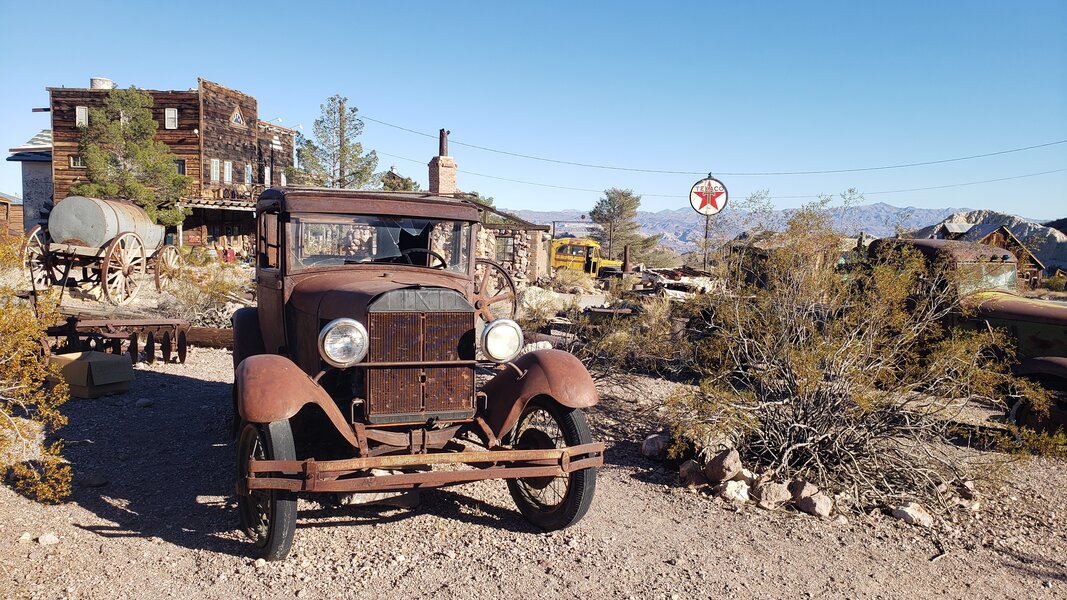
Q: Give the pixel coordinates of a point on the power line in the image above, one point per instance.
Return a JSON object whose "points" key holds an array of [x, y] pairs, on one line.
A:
{"points": [[737, 174], [796, 197]]}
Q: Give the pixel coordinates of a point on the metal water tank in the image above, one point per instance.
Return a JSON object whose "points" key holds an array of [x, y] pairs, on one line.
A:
{"points": [[93, 223], [101, 83]]}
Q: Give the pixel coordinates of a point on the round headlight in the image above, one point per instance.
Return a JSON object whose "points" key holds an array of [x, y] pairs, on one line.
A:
{"points": [[343, 342], [502, 340]]}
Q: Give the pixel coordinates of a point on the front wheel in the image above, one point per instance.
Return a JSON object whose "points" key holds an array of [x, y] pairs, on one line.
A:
{"points": [[268, 517], [553, 502]]}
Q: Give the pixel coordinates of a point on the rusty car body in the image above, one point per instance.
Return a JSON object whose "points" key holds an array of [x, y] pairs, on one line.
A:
{"points": [[381, 358], [988, 291]]}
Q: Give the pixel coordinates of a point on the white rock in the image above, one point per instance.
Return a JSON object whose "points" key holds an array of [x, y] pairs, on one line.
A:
{"points": [[25, 537], [747, 476], [771, 495], [260, 563], [913, 514], [48, 539], [802, 489], [733, 491], [655, 446]]}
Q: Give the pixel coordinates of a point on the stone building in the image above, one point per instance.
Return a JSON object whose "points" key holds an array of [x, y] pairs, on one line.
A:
{"points": [[520, 246]]}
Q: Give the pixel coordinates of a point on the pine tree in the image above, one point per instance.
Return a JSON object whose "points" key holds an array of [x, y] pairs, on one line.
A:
{"points": [[124, 160], [616, 213], [332, 159]]}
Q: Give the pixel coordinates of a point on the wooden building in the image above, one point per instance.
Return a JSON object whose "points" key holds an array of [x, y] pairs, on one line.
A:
{"points": [[217, 139], [10, 215]]}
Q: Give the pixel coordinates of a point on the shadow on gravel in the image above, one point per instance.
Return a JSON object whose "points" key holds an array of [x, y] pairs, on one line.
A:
{"points": [[612, 419], [1038, 567], [166, 471], [159, 471]]}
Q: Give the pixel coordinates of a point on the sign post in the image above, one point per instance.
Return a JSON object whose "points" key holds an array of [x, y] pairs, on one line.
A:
{"points": [[708, 197]]}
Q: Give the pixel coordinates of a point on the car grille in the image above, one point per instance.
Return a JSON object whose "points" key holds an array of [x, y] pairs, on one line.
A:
{"points": [[417, 393]]}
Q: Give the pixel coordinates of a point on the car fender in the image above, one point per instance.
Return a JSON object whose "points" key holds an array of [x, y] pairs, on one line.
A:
{"points": [[552, 373], [1054, 366], [247, 339], [272, 388]]}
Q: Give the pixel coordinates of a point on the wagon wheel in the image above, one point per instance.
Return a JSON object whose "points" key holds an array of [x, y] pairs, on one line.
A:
{"points": [[168, 266], [494, 291], [183, 347], [150, 348], [123, 268], [36, 260], [166, 346]]}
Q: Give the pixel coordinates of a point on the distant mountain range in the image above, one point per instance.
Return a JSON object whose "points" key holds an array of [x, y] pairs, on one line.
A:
{"points": [[682, 228]]}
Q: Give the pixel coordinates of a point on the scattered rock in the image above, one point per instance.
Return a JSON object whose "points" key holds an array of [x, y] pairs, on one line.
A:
{"points": [[913, 514], [799, 488], [260, 563], [25, 537], [841, 520], [745, 475], [818, 504], [770, 495], [967, 490], [144, 403], [691, 474], [655, 446], [92, 480], [48, 539], [733, 491], [724, 466]]}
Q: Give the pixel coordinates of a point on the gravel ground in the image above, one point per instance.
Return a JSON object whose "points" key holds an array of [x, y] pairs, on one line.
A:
{"points": [[153, 515]]}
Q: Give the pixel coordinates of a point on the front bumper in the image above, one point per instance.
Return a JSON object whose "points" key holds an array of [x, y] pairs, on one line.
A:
{"points": [[347, 475]]}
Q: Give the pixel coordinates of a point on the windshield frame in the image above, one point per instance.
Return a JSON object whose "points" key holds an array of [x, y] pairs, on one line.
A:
{"points": [[998, 276], [382, 244]]}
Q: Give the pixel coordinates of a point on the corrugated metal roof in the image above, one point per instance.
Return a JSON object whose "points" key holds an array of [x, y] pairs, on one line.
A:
{"points": [[9, 199], [219, 203], [978, 232], [40, 142], [957, 227]]}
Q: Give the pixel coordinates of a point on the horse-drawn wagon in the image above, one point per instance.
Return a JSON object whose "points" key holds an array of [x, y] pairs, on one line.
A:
{"points": [[110, 243]]}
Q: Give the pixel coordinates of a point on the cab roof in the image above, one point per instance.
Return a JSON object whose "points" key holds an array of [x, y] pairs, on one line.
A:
{"points": [[952, 249], [361, 202]]}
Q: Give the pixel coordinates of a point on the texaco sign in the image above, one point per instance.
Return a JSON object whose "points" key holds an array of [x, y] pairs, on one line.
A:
{"points": [[708, 196]]}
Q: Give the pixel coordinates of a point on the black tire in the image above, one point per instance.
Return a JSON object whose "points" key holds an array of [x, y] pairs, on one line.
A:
{"points": [[552, 503], [268, 517]]}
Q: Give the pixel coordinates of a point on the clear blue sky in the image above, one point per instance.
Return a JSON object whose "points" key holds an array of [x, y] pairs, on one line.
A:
{"points": [[702, 86]]}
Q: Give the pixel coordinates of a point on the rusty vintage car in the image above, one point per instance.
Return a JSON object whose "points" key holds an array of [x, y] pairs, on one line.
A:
{"points": [[987, 284], [382, 357]]}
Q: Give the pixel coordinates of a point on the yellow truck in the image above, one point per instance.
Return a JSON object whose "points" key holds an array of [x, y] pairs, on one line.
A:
{"points": [[583, 255]]}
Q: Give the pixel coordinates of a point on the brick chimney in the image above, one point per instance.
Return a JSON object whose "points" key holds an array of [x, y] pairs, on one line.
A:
{"points": [[443, 169]]}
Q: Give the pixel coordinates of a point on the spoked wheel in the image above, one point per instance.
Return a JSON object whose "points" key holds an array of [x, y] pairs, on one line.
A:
{"points": [[168, 266], [123, 269], [36, 261], [494, 292], [268, 517], [553, 502]]}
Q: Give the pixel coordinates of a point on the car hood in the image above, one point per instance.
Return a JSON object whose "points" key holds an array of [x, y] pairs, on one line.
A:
{"points": [[338, 294], [1004, 305]]}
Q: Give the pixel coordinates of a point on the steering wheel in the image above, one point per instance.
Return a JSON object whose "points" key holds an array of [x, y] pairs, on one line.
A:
{"points": [[407, 256]]}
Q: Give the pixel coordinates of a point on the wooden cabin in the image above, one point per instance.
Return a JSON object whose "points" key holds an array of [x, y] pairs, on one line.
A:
{"points": [[10, 215], [217, 139]]}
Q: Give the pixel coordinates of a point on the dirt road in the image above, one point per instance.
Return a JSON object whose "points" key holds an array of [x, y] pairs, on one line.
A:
{"points": [[163, 525]]}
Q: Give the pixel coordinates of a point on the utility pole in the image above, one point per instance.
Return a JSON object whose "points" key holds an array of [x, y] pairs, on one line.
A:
{"points": [[342, 149]]}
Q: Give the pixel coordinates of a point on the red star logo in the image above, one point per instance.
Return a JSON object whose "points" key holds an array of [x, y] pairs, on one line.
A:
{"points": [[709, 197]]}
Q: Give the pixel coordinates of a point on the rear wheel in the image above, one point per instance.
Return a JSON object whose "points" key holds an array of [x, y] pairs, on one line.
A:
{"points": [[268, 517], [553, 502]]}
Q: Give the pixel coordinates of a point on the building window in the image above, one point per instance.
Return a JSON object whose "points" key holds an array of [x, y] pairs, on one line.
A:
{"points": [[227, 172], [76, 162], [266, 176], [81, 116], [237, 118], [170, 120], [215, 170], [283, 178], [248, 174], [505, 248], [179, 165]]}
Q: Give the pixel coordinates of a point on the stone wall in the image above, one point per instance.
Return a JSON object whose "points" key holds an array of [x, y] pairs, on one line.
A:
{"points": [[36, 193], [524, 263]]}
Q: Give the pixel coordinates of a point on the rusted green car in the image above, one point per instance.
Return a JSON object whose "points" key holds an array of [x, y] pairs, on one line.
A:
{"points": [[988, 288]]}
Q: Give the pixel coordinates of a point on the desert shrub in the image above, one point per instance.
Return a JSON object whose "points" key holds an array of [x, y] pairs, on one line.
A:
{"points": [[572, 281], [207, 295], [1056, 284], [29, 405], [849, 380]]}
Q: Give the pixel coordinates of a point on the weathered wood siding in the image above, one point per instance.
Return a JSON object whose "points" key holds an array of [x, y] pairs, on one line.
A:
{"points": [[277, 160], [10, 218], [226, 141], [66, 136]]}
